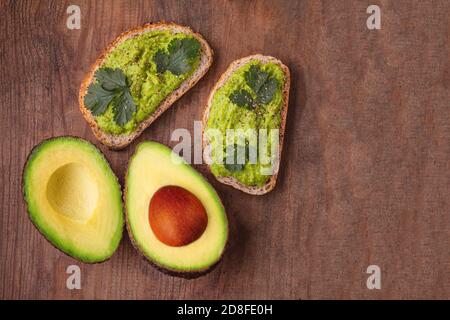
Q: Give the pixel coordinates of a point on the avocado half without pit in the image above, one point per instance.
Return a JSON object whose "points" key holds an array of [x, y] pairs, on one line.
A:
{"points": [[174, 216], [74, 198]]}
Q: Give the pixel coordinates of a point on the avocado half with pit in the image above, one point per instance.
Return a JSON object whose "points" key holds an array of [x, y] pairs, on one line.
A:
{"points": [[74, 198], [174, 216]]}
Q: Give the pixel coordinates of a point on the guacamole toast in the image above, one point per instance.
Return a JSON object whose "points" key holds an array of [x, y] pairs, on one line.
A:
{"points": [[145, 69], [269, 114]]}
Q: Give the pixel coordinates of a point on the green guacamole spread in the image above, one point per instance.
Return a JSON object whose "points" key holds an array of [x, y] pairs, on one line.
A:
{"points": [[224, 115], [134, 57]]}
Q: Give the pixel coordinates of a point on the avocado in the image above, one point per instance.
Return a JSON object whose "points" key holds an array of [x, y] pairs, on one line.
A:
{"points": [[74, 198], [174, 216]]}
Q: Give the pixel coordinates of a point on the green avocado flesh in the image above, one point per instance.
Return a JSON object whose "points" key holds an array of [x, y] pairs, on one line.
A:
{"points": [[152, 167], [224, 114], [134, 57], [74, 198]]}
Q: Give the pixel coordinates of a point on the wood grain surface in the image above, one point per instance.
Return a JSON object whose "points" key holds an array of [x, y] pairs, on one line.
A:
{"points": [[365, 176]]}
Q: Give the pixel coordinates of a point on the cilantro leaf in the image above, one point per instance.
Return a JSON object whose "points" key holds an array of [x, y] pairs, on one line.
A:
{"points": [[266, 91], [255, 78], [124, 108], [179, 56], [161, 60], [97, 99], [110, 86], [242, 98], [263, 86], [233, 159], [234, 167], [111, 79]]}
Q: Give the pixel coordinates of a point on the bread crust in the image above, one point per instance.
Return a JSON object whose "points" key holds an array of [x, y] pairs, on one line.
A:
{"points": [[120, 141], [231, 181]]}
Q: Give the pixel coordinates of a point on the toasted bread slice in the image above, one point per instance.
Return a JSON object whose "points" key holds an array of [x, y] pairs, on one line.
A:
{"points": [[122, 140], [270, 184]]}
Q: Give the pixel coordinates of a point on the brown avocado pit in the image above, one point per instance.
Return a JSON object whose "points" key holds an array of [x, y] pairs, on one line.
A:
{"points": [[176, 216]]}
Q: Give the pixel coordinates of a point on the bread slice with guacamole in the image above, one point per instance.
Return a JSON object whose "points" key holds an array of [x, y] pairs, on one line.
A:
{"points": [[139, 76], [250, 100]]}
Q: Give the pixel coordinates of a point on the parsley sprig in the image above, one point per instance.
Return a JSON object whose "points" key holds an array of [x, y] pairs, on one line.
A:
{"points": [[179, 56], [111, 86], [262, 85]]}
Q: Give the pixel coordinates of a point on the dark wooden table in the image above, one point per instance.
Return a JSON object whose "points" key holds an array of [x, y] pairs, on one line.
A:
{"points": [[365, 176]]}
